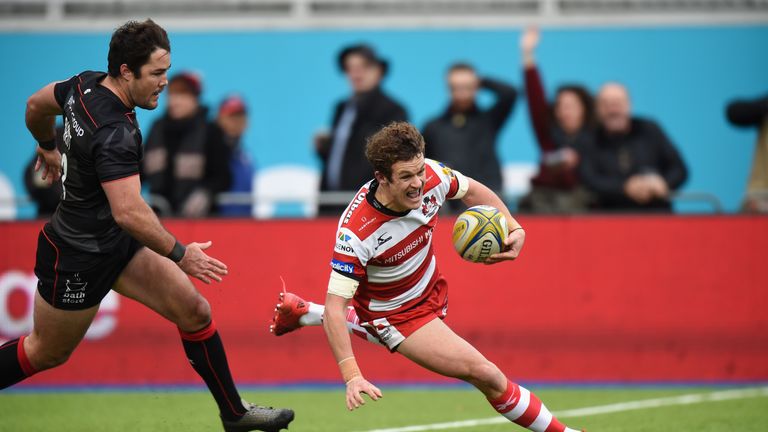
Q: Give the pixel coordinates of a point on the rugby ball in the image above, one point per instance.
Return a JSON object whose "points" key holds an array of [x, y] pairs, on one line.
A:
{"points": [[479, 232]]}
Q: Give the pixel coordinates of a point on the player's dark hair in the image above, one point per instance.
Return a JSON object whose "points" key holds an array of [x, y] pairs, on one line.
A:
{"points": [[461, 66], [396, 142], [133, 43]]}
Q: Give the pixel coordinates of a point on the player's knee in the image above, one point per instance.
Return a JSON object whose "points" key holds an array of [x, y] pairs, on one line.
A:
{"points": [[485, 374], [198, 315]]}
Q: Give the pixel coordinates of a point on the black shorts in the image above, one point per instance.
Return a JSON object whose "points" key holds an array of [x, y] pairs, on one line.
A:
{"points": [[71, 279]]}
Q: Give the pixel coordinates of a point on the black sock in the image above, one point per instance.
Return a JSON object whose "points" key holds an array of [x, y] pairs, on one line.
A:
{"points": [[14, 365], [206, 354]]}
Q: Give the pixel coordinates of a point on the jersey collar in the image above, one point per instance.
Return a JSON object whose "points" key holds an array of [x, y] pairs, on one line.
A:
{"points": [[371, 197]]}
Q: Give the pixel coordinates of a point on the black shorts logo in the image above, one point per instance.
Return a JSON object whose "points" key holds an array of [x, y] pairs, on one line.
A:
{"points": [[75, 292]]}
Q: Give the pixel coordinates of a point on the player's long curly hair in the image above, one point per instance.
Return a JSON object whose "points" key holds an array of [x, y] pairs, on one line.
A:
{"points": [[396, 142]]}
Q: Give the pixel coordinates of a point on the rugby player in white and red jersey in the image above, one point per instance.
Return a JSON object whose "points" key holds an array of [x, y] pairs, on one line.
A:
{"points": [[384, 266]]}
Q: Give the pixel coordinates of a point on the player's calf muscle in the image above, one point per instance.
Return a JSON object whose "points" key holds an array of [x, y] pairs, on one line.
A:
{"points": [[49, 360]]}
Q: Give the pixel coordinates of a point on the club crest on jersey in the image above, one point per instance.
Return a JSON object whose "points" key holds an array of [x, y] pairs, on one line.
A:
{"points": [[430, 205]]}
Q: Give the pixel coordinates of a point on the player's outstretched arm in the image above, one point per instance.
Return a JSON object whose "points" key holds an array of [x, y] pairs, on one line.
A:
{"points": [[40, 117], [137, 218], [479, 194], [335, 325]]}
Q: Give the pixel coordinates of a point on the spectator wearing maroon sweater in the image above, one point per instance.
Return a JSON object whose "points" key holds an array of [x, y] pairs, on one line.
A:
{"points": [[561, 130]]}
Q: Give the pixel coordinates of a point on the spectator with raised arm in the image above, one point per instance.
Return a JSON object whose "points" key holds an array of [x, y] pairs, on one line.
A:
{"points": [[754, 113], [464, 136], [631, 165], [562, 129]]}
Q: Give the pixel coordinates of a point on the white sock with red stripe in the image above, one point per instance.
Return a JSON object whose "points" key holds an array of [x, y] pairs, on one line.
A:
{"points": [[314, 317], [525, 409]]}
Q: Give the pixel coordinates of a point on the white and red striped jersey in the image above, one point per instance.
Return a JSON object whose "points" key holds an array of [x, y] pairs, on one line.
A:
{"points": [[390, 254]]}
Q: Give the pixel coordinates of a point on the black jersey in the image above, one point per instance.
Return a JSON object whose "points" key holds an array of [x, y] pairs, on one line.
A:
{"points": [[102, 143]]}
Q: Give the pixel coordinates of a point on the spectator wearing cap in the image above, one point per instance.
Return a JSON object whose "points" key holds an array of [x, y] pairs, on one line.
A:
{"points": [[184, 163], [356, 118], [464, 136], [230, 125]]}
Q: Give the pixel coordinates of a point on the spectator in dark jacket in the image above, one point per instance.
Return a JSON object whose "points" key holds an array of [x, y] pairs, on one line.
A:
{"points": [[184, 162], [561, 130], [229, 127], [464, 136], [366, 111], [631, 165], [754, 113]]}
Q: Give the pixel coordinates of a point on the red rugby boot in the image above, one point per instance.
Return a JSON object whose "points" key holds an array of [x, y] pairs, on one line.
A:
{"points": [[287, 313]]}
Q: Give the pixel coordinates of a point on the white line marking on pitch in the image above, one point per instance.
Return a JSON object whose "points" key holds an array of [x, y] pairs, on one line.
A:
{"points": [[687, 399]]}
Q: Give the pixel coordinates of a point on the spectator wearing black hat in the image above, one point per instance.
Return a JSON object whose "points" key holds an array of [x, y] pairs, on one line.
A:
{"points": [[754, 113], [184, 162], [464, 136], [366, 111]]}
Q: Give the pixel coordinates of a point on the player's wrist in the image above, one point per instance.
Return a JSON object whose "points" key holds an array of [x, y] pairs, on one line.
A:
{"points": [[349, 369], [177, 253], [353, 379], [47, 145]]}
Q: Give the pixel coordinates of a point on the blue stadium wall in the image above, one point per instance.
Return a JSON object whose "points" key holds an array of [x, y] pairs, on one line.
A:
{"points": [[681, 76]]}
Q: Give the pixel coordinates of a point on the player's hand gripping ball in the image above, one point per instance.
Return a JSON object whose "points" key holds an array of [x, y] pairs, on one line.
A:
{"points": [[479, 232]]}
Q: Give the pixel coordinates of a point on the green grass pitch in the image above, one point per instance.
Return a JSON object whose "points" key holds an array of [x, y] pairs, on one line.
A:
{"points": [[323, 410]]}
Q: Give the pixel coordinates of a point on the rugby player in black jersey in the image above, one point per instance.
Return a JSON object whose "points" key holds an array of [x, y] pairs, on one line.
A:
{"points": [[104, 236]]}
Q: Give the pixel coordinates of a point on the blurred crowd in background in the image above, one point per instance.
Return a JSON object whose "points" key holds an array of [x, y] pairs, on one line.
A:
{"points": [[596, 155]]}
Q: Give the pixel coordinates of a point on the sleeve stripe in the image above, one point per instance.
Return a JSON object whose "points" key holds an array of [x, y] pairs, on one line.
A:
{"points": [[347, 275], [463, 183]]}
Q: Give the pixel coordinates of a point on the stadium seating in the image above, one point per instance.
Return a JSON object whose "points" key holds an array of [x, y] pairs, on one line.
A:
{"points": [[7, 199]]}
